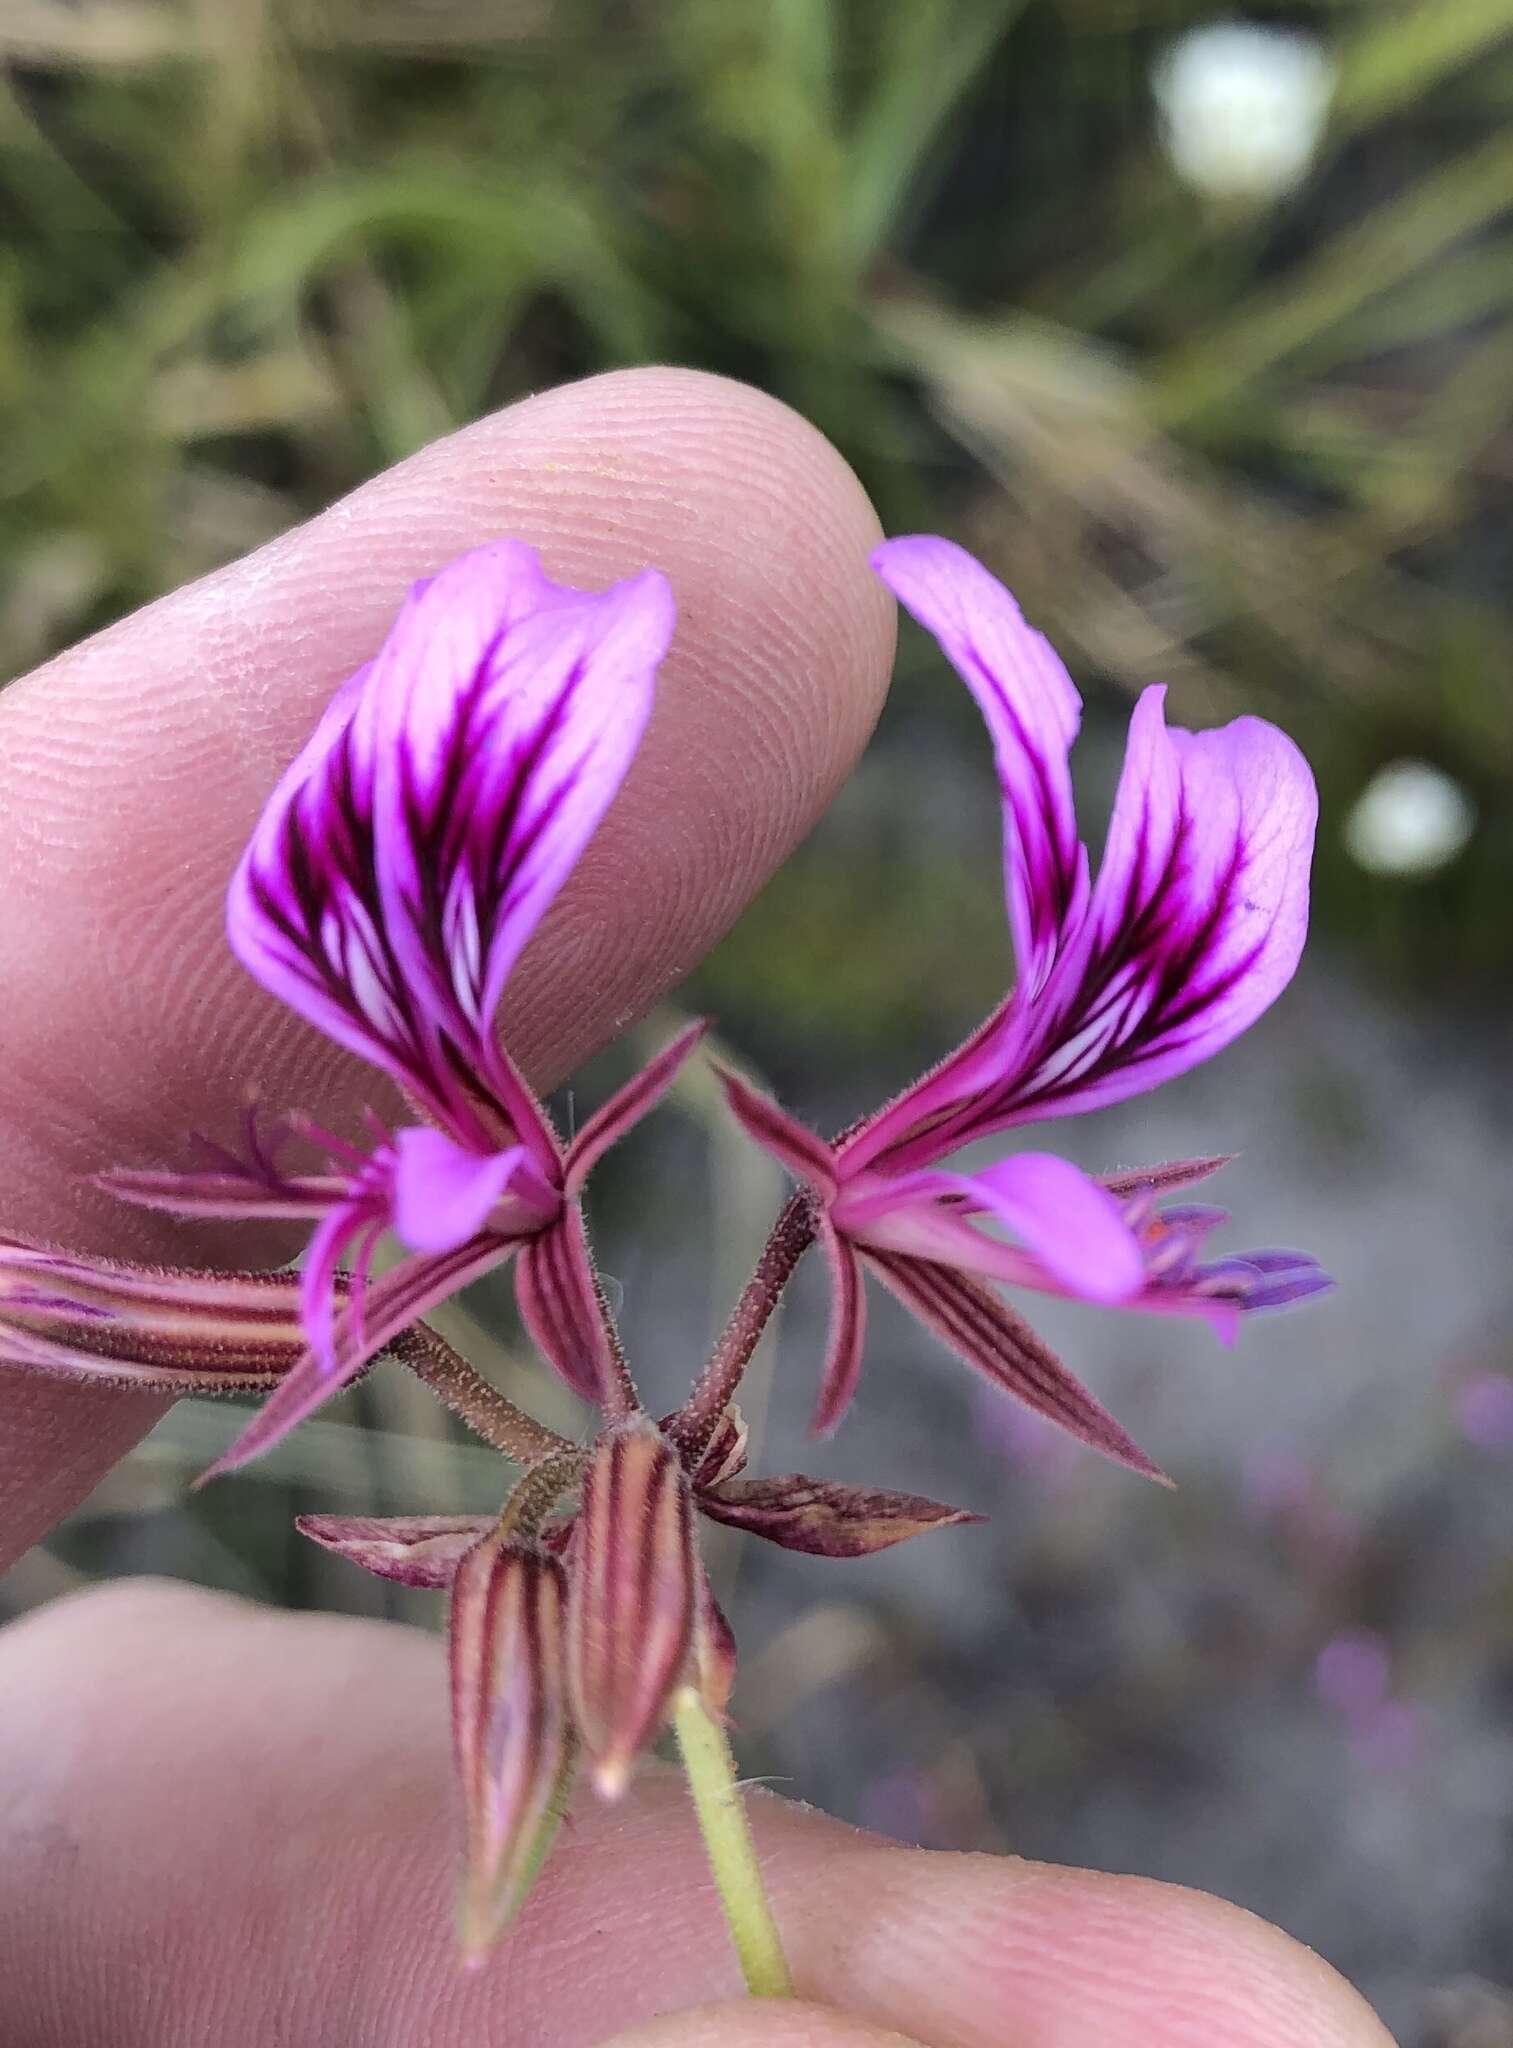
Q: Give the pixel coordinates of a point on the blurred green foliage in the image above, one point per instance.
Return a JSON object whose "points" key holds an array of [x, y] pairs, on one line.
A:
{"points": [[255, 249]]}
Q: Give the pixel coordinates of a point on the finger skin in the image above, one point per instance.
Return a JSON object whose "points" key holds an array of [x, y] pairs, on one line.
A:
{"points": [[774, 2024], [220, 1823], [135, 765]]}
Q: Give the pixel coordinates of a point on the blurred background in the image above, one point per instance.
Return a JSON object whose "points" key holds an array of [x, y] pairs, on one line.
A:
{"points": [[1199, 329]]}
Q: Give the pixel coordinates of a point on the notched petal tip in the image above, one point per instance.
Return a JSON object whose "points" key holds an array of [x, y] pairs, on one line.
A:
{"points": [[409, 852], [1032, 712]]}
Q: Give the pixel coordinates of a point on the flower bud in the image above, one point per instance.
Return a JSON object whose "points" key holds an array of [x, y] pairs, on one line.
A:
{"points": [[510, 1728], [632, 1598]]}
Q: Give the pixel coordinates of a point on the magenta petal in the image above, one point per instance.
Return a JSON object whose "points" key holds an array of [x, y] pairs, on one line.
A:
{"points": [[640, 1095], [298, 915], [1071, 1225], [558, 1298], [806, 1157], [1032, 712], [986, 1333], [442, 1192], [413, 1550], [504, 711], [407, 855], [847, 1333], [1195, 927], [392, 1304]]}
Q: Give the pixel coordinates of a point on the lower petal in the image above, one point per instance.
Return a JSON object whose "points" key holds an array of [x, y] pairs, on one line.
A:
{"points": [[443, 1193], [1074, 1239], [1072, 1224]]}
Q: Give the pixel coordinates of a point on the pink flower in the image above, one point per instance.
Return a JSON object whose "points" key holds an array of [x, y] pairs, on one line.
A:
{"points": [[392, 881], [1192, 928]]}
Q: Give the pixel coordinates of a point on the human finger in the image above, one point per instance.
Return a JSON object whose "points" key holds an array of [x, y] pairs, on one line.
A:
{"points": [[262, 1803]]}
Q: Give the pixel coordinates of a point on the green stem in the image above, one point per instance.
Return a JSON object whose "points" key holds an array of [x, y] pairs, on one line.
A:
{"points": [[727, 1840]]}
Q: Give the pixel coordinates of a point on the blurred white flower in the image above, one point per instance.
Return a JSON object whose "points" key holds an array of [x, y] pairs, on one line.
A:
{"points": [[1242, 107], [1410, 819]]}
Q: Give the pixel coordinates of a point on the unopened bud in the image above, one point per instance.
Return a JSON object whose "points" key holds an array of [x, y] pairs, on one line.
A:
{"points": [[632, 1598], [509, 1725]]}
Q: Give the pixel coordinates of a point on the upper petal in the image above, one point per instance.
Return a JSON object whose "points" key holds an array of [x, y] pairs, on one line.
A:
{"points": [[1201, 908], [1032, 711], [303, 913], [505, 711], [406, 856], [1195, 926]]}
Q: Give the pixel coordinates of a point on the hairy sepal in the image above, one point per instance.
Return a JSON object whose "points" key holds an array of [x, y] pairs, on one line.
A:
{"points": [[825, 1519], [634, 1592], [510, 1729]]}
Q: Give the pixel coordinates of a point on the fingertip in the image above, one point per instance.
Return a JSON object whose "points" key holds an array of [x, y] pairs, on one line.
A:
{"points": [[983, 1950]]}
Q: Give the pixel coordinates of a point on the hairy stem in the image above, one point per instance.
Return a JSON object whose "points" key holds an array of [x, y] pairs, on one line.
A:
{"points": [[727, 1840], [537, 1494], [790, 1237], [468, 1394]]}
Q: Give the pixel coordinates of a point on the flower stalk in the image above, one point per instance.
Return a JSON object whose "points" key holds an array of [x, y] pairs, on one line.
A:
{"points": [[790, 1237], [487, 1412], [721, 1812]]}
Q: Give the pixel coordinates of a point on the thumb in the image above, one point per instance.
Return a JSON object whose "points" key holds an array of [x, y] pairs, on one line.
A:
{"points": [[261, 1804]]}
